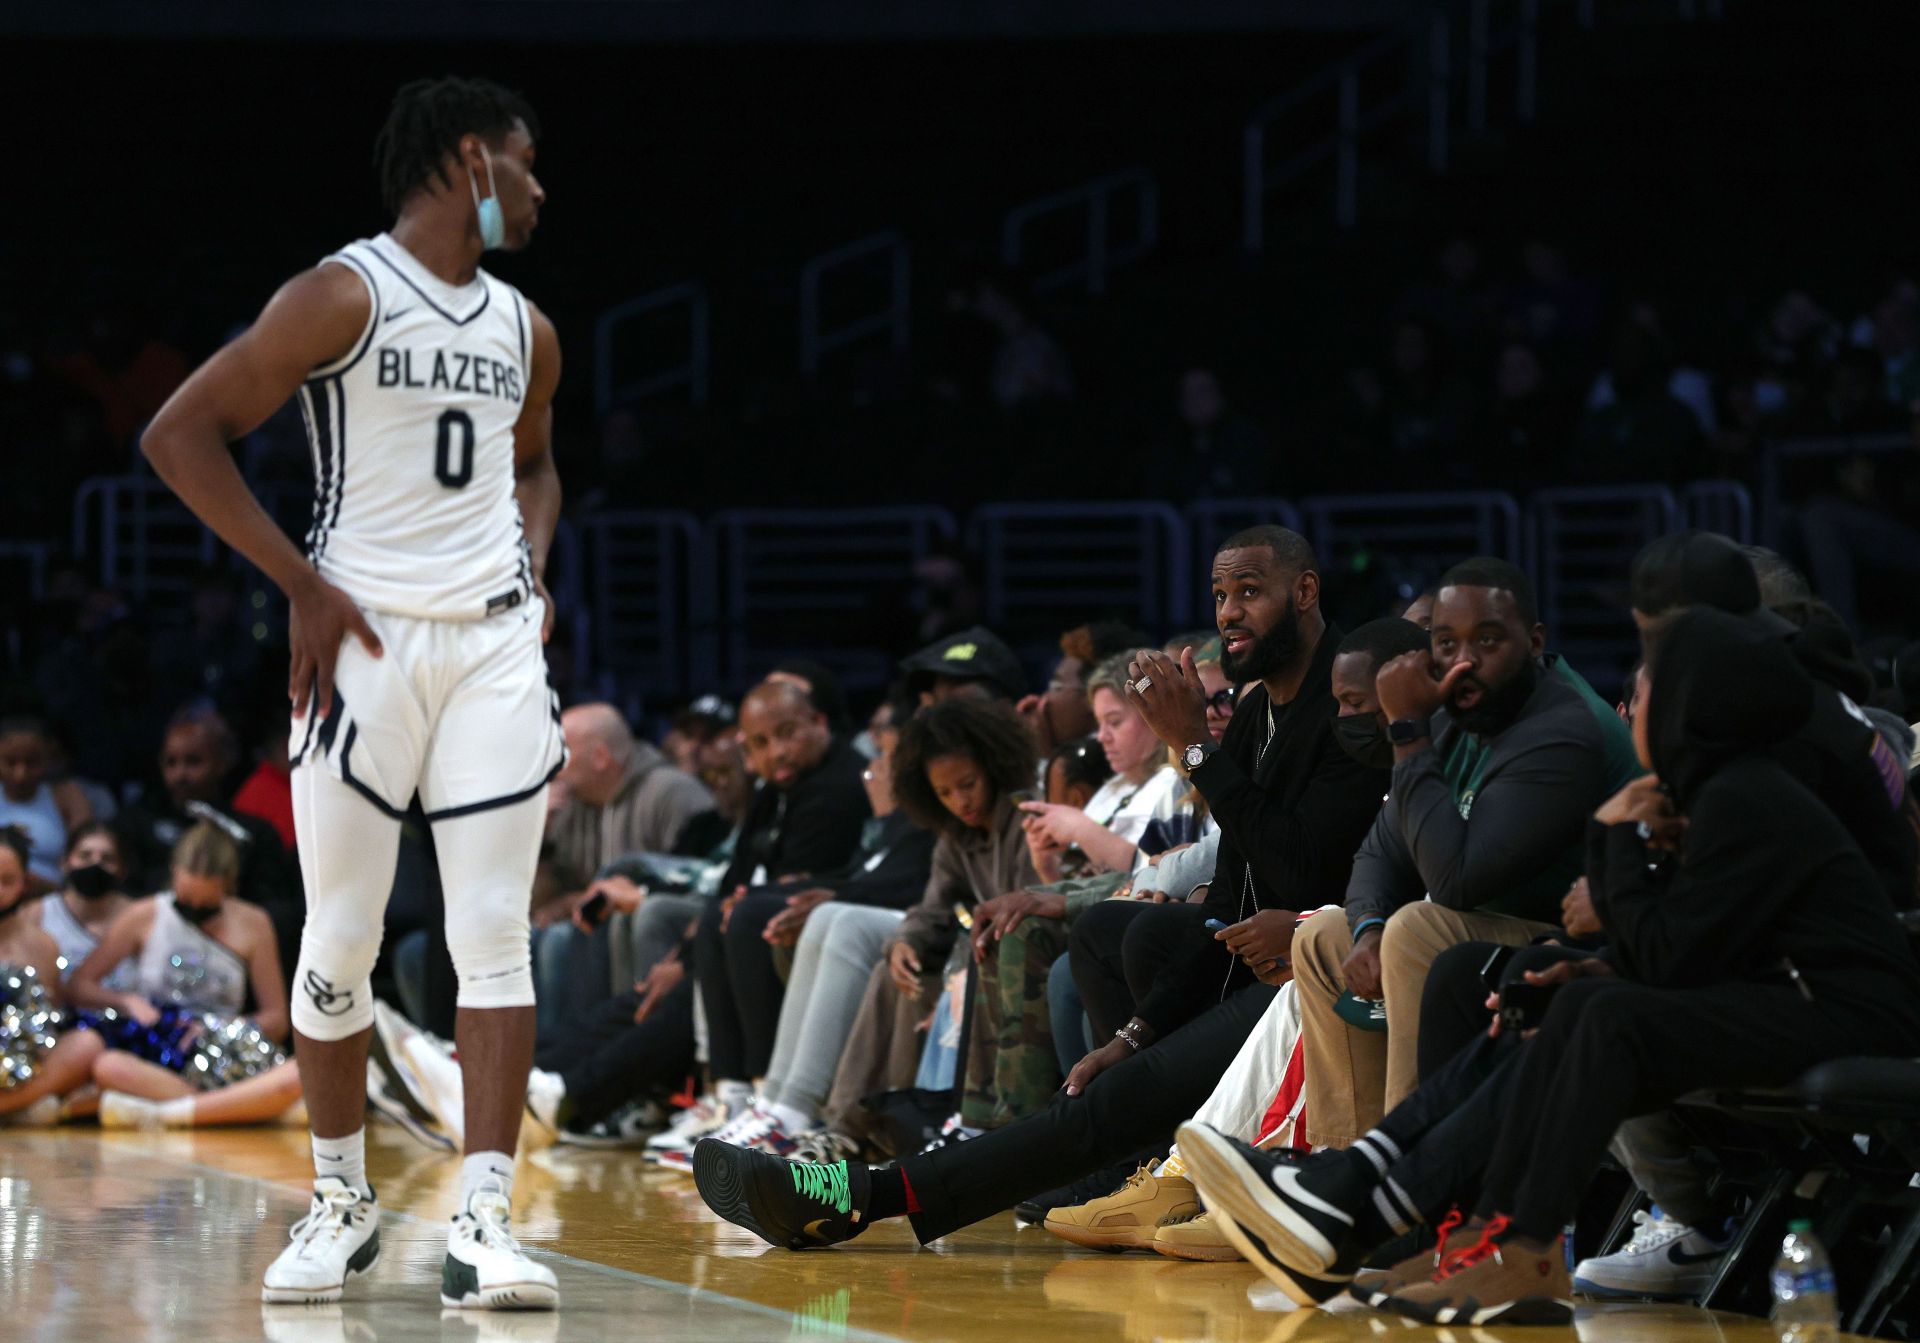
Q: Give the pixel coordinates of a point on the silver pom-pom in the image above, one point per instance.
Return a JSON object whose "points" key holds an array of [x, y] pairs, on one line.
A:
{"points": [[29, 1023], [228, 1051]]}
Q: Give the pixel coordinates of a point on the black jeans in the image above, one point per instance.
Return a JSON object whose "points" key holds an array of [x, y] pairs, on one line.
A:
{"points": [[739, 987], [1453, 1007], [1133, 1106], [1527, 1122], [606, 1059], [1118, 948]]}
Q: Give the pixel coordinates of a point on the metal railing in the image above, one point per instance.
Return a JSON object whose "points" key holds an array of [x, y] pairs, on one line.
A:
{"points": [[649, 589], [819, 335], [1101, 252], [816, 583], [1722, 506], [612, 387], [1583, 541], [1068, 563], [1405, 76], [144, 540], [1211, 521], [1427, 531]]}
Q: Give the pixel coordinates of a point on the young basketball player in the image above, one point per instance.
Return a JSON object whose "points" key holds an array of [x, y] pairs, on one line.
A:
{"points": [[417, 618]]}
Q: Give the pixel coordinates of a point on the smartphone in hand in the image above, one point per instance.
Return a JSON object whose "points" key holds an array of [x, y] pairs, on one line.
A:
{"points": [[1523, 1006], [594, 911]]}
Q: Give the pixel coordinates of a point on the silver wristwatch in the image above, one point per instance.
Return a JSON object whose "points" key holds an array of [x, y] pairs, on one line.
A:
{"points": [[1195, 756]]}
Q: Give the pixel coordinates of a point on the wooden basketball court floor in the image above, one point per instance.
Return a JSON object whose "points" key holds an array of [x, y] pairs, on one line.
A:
{"points": [[162, 1238]]}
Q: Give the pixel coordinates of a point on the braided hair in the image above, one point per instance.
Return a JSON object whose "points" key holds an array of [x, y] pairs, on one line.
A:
{"points": [[426, 122]]}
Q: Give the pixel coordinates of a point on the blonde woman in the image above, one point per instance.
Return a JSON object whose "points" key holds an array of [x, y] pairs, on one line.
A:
{"points": [[196, 950]]}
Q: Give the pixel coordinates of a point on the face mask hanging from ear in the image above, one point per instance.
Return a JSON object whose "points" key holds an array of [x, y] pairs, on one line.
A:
{"points": [[493, 224]]}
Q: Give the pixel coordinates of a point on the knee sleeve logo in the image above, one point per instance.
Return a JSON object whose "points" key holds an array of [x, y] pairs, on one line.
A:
{"points": [[327, 1000]]}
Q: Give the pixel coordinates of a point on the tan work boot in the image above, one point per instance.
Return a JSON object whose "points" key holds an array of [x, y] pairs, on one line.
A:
{"points": [[1493, 1281], [1197, 1238], [1127, 1218]]}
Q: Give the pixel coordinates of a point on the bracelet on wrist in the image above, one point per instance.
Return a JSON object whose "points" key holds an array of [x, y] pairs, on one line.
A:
{"points": [[1133, 1041]]}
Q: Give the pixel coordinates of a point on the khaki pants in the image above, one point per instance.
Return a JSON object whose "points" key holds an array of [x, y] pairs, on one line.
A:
{"points": [[1354, 1076]]}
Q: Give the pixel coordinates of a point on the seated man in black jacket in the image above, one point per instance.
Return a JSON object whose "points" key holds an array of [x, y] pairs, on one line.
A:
{"points": [[1771, 947], [804, 823], [1291, 805], [1500, 756]]}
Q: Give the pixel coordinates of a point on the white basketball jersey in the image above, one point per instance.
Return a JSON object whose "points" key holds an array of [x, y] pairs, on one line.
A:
{"points": [[412, 437]]}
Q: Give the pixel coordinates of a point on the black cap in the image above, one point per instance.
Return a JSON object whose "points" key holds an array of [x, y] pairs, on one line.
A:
{"points": [[975, 654], [708, 709]]}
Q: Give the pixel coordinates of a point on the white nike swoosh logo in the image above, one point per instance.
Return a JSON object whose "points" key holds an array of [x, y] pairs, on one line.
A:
{"points": [[1287, 1180]]}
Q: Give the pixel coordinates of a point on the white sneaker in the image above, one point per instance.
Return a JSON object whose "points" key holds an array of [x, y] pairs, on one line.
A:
{"points": [[337, 1240], [546, 1094], [1665, 1260], [384, 1100], [485, 1267], [119, 1110], [702, 1119], [43, 1113], [440, 1085]]}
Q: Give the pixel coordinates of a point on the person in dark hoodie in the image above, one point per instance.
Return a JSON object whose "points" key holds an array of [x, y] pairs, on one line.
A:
{"points": [[1291, 805], [1842, 753], [1771, 947]]}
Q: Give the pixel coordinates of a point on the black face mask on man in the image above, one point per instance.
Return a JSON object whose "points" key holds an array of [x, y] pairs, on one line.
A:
{"points": [[92, 881], [1361, 736]]}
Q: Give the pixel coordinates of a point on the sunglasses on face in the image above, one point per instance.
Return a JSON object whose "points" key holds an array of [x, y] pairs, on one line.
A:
{"points": [[1221, 701]]}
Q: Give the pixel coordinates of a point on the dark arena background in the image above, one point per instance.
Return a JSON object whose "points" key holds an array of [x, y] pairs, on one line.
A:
{"points": [[884, 324]]}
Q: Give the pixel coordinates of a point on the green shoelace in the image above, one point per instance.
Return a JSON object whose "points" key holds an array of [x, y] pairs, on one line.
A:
{"points": [[823, 1184]]}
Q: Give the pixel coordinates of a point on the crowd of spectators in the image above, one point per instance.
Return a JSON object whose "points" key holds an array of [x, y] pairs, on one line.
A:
{"points": [[1009, 937]]}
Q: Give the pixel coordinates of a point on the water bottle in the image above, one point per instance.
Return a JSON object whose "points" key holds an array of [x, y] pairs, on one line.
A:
{"points": [[1804, 1307]]}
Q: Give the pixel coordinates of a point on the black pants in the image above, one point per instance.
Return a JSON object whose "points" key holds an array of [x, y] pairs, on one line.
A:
{"points": [[1453, 1007], [607, 1059], [1134, 1105], [739, 987], [1117, 949], [1608, 1050]]}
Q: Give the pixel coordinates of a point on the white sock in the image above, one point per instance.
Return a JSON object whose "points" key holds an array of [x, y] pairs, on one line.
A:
{"points": [[343, 1158], [791, 1121], [736, 1096], [179, 1113], [481, 1167]]}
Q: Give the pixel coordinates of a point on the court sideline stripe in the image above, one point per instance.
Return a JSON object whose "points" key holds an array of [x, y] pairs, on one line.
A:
{"points": [[685, 1289]]}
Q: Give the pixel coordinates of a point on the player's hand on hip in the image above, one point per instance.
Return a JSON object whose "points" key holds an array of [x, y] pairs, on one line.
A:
{"points": [[321, 617]]}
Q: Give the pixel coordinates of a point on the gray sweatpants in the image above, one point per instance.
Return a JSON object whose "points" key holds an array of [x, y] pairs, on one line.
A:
{"points": [[836, 954]]}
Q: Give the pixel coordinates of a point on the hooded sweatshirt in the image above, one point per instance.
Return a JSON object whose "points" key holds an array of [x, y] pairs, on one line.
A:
{"points": [[1769, 884]]}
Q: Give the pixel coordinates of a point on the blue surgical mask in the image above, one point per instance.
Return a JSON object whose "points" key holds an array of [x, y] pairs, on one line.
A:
{"points": [[493, 224]]}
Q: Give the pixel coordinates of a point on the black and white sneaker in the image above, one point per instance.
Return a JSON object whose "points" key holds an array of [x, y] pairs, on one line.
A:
{"points": [[628, 1127], [1305, 1212], [339, 1238], [798, 1204], [485, 1268], [1303, 1289], [391, 1103]]}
